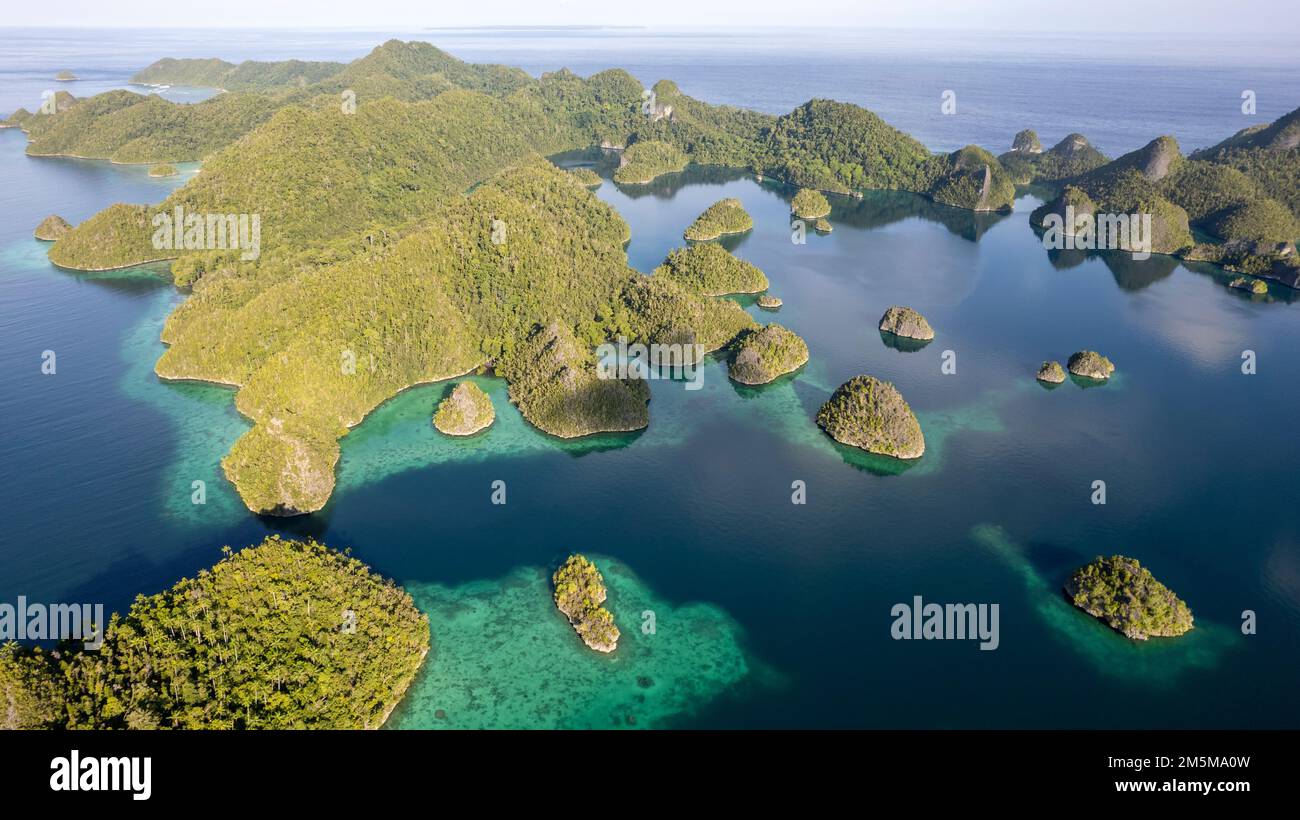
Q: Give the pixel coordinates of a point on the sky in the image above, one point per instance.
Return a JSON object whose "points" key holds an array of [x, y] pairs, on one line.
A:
{"points": [[1114, 16]]}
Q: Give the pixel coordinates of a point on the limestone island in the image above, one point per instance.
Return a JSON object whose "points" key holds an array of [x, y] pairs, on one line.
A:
{"points": [[711, 270], [465, 412], [1256, 286], [810, 204], [1091, 365], [1051, 372], [587, 177], [645, 160], [1125, 595], [905, 322], [66, 77], [722, 217], [180, 658], [872, 415], [163, 170], [579, 593], [822, 226], [769, 302], [52, 228], [761, 356]]}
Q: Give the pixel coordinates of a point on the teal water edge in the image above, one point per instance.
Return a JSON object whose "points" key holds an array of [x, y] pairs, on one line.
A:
{"points": [[766, 613]]}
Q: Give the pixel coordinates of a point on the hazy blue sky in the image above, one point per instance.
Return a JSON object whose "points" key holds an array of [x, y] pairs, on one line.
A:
{"points": [[1115, 16]]}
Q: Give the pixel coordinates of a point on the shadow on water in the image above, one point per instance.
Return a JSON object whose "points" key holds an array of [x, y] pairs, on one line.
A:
{"points": [[903, 344]]}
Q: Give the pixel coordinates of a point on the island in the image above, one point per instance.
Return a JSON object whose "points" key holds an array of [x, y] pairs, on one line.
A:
{"points": [[579, 593], [907, 323], [477, 254], [1026, 142], [643, 161], [761, 356], [809, 204], [1090, 365], [872, 415], [722, 217], [465, 412], [1256, 286], [163, 170], [769, 302], [1051, 372], [65, 77], [711, 270], [207, 653], [822, 225], [587, 177], [52, 228], [1241, 193], [1070, 157], [1122, 593]]}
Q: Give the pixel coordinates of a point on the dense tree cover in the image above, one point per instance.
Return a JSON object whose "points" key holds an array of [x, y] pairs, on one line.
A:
{"points": [[971, 178], [1268, 154], [125, 127], [871, 414], [1069, 158], [554, 382], [163, 170], [579, 593], [1133, 184], [711, 270], [809, 204], [587, 177], [722, 217], [1124, 594], [765, 354], [465, 412], [340, 314], [377, 270], [249, 75], [647, 159], [836, 146], [283, 635], [1181, 194]]}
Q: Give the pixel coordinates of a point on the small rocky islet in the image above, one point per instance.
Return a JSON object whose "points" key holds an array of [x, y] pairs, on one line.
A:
{"points": [[769, 302], [726, 216], [579, 593], [907, 323], [1256, 286], [1091, 365], [810, 204], [872, 415], [466, 411], [52, 228], [1051, 372], [762, 356], [1125, 595], [163, 170]]}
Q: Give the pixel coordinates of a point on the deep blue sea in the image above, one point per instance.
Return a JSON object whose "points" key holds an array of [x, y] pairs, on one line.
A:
{"points": [[765, 613]]}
